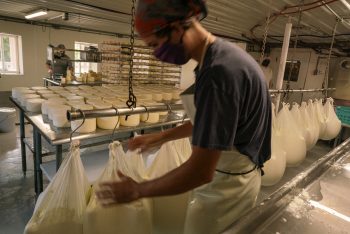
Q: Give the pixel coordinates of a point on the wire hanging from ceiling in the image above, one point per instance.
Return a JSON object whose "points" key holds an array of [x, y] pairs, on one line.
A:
{"points": [[326, 74], [265, 34], [286, 11]]}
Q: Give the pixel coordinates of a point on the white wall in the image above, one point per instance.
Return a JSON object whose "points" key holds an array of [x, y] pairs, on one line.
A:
{"points": [[308, 59], [35, 39]]}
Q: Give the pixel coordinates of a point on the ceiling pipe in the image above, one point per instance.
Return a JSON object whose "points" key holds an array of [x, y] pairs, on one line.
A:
{"points": [[99, 8], [63, 27]]}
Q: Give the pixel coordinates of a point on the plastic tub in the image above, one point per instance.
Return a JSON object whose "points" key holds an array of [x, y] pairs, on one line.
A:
{"points": [[46, 104], [34, 105], [23, 99], [57, 109], [7, 119], [59, 116], [17, 90]]}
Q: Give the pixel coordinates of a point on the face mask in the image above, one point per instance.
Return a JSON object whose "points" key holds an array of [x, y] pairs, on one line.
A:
{"points": [[172, 53]]}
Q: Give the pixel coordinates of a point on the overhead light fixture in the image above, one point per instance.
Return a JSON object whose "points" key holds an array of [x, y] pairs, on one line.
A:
{"points": [[346, 3], [36, 14]]}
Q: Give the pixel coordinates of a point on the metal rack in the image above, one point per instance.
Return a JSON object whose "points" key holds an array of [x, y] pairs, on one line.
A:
{"points": [[146, 68], [75, 115], [58, 137], [279, 91], [53, 82]]}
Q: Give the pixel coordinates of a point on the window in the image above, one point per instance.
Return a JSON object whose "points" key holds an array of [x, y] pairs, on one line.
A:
{"points": [[11, 59], [295, 66], [83, 67]]}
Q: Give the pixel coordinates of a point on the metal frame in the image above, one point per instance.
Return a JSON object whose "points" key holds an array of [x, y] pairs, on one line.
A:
{"points": [[75, 115], [299, 90], [42, 129], [52, 82]]}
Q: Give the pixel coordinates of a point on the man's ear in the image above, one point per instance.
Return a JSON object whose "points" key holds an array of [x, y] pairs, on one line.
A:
{"points": [[176, 32]]}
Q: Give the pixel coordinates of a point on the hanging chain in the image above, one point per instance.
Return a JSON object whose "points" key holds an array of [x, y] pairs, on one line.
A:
{"points": [[291, 67], [326, 73], [131, 102], [267, 24]]}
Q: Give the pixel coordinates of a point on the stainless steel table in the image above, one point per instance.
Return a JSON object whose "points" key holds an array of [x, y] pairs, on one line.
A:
{"points": [[57, 137], [50, 81]]}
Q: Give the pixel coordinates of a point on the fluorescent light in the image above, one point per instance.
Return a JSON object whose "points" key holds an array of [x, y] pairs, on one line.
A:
{"points": [[346, 3], [36, 14]]}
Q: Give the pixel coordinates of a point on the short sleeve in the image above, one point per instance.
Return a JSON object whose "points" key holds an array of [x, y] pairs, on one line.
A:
{"points": [[69, 63], [217, 115]]}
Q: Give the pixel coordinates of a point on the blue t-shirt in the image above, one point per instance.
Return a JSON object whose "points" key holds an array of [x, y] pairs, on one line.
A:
{"points": [[233, 103]]}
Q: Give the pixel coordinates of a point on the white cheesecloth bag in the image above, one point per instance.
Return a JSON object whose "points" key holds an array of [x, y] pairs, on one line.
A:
{"points": [[61, 207], [321, 116], [311, 135], [131, 218], [169, 212], [314, 119], [333, 124], [291, 138], [296, 115], [274, 168]]}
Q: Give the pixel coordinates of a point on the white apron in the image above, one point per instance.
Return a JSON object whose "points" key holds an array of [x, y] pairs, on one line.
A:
{"points": [[216, 205]]}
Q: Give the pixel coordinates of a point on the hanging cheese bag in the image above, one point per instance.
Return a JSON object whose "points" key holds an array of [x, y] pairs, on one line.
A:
{"points": [[333, 124], [274, 168], [291, 138], [131, 218], [169, 212], [310, 129], [313, 119], [62, 205], [321, 117]]}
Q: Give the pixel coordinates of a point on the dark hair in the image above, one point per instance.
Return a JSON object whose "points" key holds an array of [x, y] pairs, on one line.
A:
{"points": [[166, 31], [265, 62]]}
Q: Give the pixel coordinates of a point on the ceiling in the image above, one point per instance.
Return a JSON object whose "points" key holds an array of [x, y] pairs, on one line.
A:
{"points": [[230, 18]]}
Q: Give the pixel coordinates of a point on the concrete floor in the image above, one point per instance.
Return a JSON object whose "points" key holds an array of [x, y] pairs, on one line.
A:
{"points": [[17, 196]]}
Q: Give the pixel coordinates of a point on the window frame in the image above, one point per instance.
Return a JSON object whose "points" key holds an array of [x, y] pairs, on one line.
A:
{"points": [[78, 63], [18, 54]]}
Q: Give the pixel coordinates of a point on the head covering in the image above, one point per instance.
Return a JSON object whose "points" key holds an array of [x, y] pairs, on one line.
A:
{"points": [[154, 15], [61, 46]]}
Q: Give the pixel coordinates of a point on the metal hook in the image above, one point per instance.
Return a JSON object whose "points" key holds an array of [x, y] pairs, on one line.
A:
{"points": [[183, 118], [71, 134], [146, 112], [115, 127], [169, 108]]}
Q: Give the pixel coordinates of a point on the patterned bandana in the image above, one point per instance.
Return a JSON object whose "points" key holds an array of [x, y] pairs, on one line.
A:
{"points": [[154, 15]]}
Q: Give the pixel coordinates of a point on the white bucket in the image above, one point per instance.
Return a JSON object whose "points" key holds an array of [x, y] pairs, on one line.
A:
{"points": [[7, 119]]}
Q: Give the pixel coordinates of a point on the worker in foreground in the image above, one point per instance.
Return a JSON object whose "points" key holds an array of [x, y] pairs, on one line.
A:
{"points": [[230, 111]]}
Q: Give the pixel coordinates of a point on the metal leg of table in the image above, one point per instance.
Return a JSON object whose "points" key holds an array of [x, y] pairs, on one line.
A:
{"points": [[38, 160], [22, 136], [58, 156]]}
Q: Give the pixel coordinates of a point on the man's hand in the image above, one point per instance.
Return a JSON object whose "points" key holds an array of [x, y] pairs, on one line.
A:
{"points": [[145, 142], [123, 191]]}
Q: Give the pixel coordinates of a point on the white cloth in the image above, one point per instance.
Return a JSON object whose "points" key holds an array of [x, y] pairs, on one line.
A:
{"points": [[216, 205]]}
